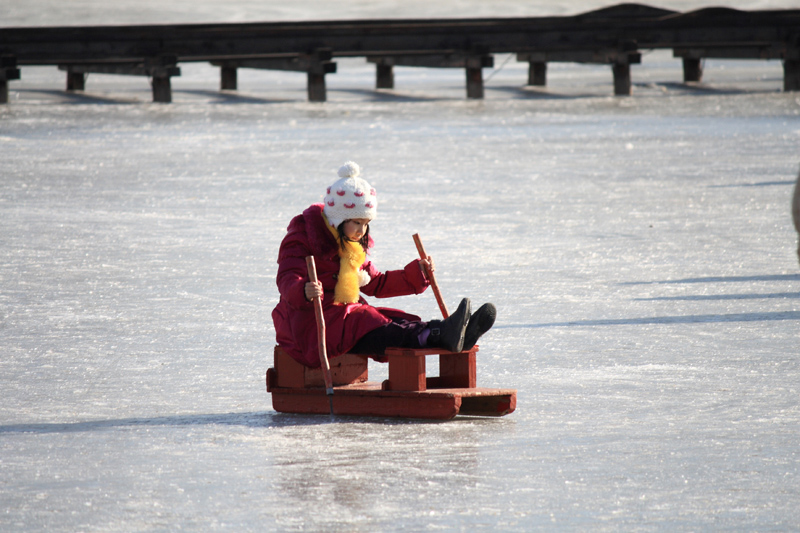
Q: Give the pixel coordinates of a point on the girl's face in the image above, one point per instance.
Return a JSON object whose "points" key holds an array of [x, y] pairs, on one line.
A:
{"points": [[355, 228]]}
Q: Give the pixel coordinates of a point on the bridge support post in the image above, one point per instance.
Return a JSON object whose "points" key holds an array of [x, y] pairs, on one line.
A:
{"points": [[537, 73], [791, 75], [162, 89], [621, 67], [319, 63], [622, 79], [384, 75], [315, 64], [620, 60], [474, 66], [537, 67], [76, 81], [317, 92], [160, 69], [227, 79], [8, 72], [692, 69], [474, 83]]}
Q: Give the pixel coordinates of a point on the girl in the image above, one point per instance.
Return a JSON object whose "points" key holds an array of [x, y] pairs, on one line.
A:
{"points": [[336, 233]]}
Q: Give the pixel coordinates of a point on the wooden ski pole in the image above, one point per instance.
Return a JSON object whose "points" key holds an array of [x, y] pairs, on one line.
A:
{"points": [[435, 286], [323, 351]]}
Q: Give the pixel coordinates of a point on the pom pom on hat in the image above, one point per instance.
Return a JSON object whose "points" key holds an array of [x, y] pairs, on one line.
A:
{"points": [[349, 170], [350, 197]]}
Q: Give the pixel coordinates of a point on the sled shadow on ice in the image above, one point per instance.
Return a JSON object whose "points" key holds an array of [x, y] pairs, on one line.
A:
{"points": [[390, 95], [264, 419], [685, 319], [570, 93], [696, 88], [231, 97], [756, 184], [694, 319], [719, 279], [73, 97], [714, 297]]}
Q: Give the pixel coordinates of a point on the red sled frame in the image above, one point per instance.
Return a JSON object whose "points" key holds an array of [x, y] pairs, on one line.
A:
{"points": [[408, 393]]}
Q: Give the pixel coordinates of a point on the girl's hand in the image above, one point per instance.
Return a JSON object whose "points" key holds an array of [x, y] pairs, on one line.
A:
{"points": [[427, 266], [313, 290]]}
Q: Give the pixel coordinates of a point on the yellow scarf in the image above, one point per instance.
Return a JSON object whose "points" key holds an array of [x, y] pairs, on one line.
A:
{"points": [[351, 257]]}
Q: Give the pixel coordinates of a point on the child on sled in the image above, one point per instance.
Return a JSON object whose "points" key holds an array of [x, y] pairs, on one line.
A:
{"points": [[337, 234]]}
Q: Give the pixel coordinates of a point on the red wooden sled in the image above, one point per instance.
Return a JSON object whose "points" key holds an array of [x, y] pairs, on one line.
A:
{"points": [[408, 393]]}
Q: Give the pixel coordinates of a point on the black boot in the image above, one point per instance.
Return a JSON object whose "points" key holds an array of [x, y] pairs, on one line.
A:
{"points": [[479, 323], [449, 333]]}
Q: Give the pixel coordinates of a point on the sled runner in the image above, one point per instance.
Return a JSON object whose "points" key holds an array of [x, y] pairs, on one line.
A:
{"points": [[408, 393]]}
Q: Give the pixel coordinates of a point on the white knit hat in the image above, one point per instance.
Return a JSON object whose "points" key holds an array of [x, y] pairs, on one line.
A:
{"points": [[350, 197]]}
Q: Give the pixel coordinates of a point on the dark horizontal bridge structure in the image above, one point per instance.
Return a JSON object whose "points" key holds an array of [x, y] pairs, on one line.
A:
{"points": [[613, 36]]}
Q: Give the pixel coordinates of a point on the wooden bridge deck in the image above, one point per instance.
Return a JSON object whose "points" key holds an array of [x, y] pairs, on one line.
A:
{"points": [[612, 35]]}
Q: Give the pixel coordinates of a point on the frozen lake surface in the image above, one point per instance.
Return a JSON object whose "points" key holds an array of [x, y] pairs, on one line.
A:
{"points": [[640, 251]]}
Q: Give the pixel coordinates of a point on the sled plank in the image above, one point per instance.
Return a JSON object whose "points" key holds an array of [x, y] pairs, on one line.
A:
{"points": [[345, 369], [367, 399]]}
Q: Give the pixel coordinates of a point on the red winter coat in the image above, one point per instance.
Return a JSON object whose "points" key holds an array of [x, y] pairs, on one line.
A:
{"points": [[295, 322]]}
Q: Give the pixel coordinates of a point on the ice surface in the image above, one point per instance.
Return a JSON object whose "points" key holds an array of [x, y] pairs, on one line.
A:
{"points": [[640, 251]]}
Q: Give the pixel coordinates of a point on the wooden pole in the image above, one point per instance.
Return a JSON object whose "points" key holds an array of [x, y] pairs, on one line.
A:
{"points": [[323, 351], [435, 286]]}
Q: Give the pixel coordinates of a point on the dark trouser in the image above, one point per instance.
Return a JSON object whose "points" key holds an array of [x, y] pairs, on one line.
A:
{"points": [[397, 333]]}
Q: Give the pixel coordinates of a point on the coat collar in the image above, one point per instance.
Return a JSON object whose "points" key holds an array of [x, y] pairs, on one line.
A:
{"points": [[320, 239]]}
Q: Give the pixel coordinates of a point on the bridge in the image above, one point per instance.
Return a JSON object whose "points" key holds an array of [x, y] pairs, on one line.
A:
{"points": [[614, 36]]}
